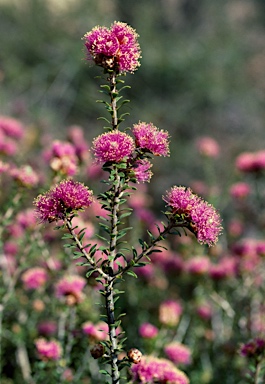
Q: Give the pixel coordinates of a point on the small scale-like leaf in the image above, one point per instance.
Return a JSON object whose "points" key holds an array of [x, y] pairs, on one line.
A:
{"points": [[131, 273]]}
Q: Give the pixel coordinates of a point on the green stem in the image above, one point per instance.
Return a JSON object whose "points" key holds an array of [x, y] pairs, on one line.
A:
{"points": [[79, 245]]}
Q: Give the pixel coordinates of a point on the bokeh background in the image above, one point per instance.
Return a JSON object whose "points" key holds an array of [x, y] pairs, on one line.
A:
{"points": [[202, 73]]}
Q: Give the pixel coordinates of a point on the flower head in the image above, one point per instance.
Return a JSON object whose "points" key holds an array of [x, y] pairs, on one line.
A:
{"points": [[34, 278], [64, 198], [98, 331], [11, 127], [70, 287], [170, 312], [202, 218], [25, 176], [116, 48], [112, 146], [48, 350], [62, 158], [153, 369], [148, 331], [148, 137], [178, 353], [141, 169], [208, 147]]}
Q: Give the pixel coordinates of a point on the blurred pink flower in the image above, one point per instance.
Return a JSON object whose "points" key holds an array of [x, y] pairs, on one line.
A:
{"points": [[70, 287], [198, 265], [207, 146], [251, 161], [148, 331], [34, 278], [98, 331], [204, 311], [48, 350], [25, 176], [178, 353], [62, 158], [240, 190], [112, 146], [226, 267], [47, 328], [153, 369], [11, 127], [170, 312], [148, 137]]}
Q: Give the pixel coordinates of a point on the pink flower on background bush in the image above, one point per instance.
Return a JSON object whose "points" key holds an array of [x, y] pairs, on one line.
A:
{"points": [[208, 147], [34, 278], [113, 146], [204, 221], [198, 265], [48, 350], [24, 176], [11, 127], [178, 353], [150, 138], [47, 328], [64, 198], [240, 190], [204, 311], [115, 49], [251, 161], [98, 331], [153, 370], [62, 158], [148, 331], [170, 312], [70, 287]]}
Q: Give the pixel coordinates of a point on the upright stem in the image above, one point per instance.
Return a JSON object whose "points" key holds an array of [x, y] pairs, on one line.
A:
{"points": [[109, 299], [109, 294], [113, 94]]}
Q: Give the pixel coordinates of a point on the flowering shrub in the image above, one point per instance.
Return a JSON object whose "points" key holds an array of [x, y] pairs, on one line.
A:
{"points": [[76, 313]]}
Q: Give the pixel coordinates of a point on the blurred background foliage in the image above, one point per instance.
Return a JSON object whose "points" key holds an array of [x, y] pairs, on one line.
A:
{"points": [[202, 73]]}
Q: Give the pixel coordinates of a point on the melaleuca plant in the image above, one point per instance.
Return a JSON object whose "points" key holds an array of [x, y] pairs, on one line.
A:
{"points": [[126, 157]]}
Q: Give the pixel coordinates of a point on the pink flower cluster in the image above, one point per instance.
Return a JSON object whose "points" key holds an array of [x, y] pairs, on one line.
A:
{"points": [[24, 176], [113, 146], [11, 130], [170, 312], [48, 350], [98, 331], [178, 353], [34, 278], [251, 161], [208, 147], [142, 170], [70, 287], [149, 138], [115, 49], [148, 331], [203, 219], [64, 198], [62, 158], [240, 190], [157, 370]]}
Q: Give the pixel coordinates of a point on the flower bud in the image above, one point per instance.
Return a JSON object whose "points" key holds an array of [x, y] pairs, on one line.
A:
{"points": [[134, 355], [97, 351]]}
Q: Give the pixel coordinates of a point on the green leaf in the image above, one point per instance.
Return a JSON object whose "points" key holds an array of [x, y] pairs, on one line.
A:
{"points": [[131, 273], [67, 236], [89, 273]]}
